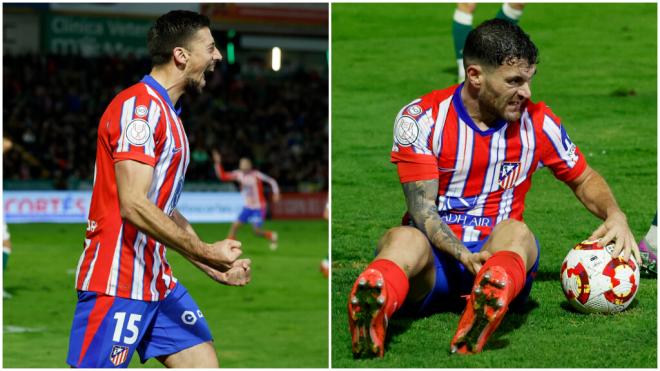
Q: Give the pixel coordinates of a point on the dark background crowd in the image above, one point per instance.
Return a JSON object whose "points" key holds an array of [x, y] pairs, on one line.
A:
{"points": [[52, 105]]}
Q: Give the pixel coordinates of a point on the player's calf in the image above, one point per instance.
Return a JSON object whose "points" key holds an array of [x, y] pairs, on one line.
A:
{"points": [[377, 293]]}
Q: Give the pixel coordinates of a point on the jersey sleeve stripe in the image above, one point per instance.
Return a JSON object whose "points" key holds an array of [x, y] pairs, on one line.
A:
{"points": [[125, 118], [553, 131], [443, 110]]}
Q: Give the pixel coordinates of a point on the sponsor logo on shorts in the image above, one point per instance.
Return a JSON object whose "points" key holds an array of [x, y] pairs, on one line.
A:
{"points": [[118, 354], [188, 317]]}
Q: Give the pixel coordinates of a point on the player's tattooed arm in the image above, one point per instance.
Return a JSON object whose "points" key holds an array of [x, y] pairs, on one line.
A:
{"points": [[420, 198]]}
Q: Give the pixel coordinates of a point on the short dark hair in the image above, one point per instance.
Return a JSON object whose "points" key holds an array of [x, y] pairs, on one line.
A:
{"points": [[171, 30], [496, 42]]}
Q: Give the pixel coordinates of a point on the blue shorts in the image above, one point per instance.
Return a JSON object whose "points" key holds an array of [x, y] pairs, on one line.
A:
{"points": [[453, 279], [107, 330], [252, 216]]}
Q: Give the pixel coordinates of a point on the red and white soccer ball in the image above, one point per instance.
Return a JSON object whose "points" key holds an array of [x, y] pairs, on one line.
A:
{"points": [[594, 282]]}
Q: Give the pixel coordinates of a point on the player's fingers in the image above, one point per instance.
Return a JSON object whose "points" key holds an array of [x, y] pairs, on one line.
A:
{"points": [[607, 238], [476, 267], [599, 232], [627, 250], [233, 243], [484, 255], [618, 247], [635, 249]]}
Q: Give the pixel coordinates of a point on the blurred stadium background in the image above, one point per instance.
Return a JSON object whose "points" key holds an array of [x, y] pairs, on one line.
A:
{"points": [[63, 63]]}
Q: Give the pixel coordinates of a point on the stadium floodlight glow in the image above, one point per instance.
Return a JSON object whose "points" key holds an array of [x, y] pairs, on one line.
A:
{"points": [[276, 61]]}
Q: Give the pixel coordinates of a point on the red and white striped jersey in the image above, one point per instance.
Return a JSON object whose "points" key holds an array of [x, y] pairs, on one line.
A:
{"points": [[140, 124], [483, 175], [251, 182]]}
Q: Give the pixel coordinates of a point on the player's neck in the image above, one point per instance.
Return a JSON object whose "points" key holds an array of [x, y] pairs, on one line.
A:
{"points": [[173, 81], [470, 98]]}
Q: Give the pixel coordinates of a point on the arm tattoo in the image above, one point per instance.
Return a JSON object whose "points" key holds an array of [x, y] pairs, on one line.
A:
{"points": [[420, 198]]}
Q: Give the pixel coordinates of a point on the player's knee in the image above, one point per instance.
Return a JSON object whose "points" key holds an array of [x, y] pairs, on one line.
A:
{"points": [[402, 237], [518, 231], [467, 7]]}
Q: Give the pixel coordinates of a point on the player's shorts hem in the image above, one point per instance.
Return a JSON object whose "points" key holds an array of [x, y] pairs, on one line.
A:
{"points": [[175, 349]]}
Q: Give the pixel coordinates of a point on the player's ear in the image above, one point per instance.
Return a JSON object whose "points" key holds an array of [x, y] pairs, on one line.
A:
{"points": [[180, 56], [473, 75]]}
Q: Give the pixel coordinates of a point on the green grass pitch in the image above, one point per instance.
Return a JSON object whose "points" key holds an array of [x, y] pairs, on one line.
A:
{"points": [[597, 72], [279, 320]]}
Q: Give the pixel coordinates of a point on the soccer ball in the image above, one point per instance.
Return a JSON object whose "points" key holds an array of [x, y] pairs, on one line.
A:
{"points": [[594, 282]]}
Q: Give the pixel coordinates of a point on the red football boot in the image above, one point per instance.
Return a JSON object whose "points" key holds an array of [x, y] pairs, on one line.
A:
{"points": [[485, 309], [366, 314]]}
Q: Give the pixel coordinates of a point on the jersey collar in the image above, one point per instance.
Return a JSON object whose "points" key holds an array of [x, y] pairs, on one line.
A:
{"points": [[463, 114], [147, 79]]}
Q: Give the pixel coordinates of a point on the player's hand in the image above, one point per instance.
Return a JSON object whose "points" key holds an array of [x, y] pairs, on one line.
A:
{"points": [[221, 255], [615, 228], [276, 197], [216, 156], [239, 274], [474, 261]]}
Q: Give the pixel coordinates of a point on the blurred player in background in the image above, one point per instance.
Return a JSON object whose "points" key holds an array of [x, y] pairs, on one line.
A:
{"points": [[462, 25], [325, 263], [252, 189], [465, 157], [648, 248], [6, 237], [128, 298]]}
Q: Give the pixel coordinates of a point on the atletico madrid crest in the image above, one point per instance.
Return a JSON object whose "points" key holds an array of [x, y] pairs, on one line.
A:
{"points": [[118, 355], [509, 174]]}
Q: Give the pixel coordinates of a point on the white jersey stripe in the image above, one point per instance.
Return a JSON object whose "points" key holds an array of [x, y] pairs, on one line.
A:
{"points": [[85, 285], [138, 266], [496, 156], [443, 109], [111, 289], [152, 121], [528, 142], [463, 160], [180, 171], [470, 234], [155, 271], [80, 260], [126, 117], [553, 132]]}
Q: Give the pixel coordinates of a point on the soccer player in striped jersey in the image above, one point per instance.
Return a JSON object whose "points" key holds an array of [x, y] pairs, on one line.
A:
{"points": [[252, 189], [128, 297], [465, 157]]}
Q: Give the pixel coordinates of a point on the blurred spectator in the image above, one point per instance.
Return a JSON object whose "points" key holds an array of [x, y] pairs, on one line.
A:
{"points": [[53, 104]]}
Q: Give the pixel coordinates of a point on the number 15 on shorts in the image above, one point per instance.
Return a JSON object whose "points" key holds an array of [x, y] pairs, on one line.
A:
{"points": [[130, 332]]}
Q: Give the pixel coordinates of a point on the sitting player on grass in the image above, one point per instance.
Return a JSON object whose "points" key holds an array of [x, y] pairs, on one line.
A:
{"points": [[465, 157]]}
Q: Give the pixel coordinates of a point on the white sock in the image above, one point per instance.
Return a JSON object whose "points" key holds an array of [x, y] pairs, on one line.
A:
{"points": [[463, 17], [511, 12], [652, 238], [461, 70]]}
